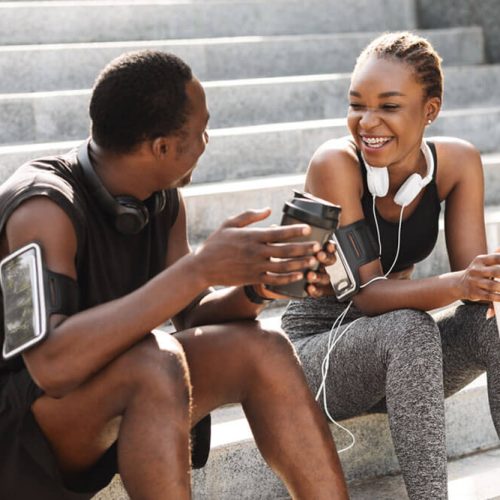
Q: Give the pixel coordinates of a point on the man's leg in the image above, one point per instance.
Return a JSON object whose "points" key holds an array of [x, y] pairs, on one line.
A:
{"points": [[241, 362], [143, 399]]}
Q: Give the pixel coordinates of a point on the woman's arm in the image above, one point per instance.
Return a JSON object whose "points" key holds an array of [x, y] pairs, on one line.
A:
{"points": [[334, 175]]}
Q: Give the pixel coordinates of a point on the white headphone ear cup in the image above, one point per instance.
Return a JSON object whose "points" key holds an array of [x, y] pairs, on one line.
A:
{"points": [[377, 180], [409, 190]]}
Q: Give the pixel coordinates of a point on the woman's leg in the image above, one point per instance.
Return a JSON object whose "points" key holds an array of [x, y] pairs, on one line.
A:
{"points": [[396, 355], [471, 345]]}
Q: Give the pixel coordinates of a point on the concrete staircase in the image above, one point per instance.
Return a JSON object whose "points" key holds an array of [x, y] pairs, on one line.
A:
{"points": [[276, 74]]}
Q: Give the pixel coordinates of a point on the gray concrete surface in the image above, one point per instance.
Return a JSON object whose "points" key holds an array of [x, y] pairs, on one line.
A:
{"points": [[45, 22], [63, 115], [451, 13], [475, 477], [74, 66]]}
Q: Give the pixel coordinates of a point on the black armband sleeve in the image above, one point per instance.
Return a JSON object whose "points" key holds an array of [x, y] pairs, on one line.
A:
{"points": [[358, 245]]}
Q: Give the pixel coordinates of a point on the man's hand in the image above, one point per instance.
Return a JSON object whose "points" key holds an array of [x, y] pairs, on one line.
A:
{"points": [[236, 254]]}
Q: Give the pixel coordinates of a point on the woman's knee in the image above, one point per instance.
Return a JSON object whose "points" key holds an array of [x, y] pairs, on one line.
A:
{"points": [[410, 329]]}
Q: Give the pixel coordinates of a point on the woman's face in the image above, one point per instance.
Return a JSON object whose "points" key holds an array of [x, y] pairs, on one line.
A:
{"points": [[387, 111]]}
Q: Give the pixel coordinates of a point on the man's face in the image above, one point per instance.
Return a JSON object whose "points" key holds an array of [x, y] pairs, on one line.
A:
{"points": [[192, 139]]}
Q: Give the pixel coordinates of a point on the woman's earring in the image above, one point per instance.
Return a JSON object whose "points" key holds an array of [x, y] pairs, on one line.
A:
{"points": [[429, 122]]}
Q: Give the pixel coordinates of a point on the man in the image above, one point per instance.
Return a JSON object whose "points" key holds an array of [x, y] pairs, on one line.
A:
{"points": [[102, 394]]}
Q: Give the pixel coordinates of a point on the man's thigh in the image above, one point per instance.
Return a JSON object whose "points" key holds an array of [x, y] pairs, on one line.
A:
{"points": [[224, 359], [85, 423]]}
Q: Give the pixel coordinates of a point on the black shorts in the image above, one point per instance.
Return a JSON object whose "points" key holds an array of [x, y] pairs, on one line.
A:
{"points": [[28, 469]]}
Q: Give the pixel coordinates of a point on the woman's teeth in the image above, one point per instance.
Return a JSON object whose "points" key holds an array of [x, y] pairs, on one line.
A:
{"points": [[375, 142]]}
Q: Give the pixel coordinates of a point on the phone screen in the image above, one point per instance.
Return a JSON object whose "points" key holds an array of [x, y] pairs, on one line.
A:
{"points": [[23, 301]]}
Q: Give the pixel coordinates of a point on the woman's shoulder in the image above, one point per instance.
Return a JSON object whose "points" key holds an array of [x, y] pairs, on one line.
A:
{"points": [[335, 156], [334, 172], [453, 148], [459, 161]]}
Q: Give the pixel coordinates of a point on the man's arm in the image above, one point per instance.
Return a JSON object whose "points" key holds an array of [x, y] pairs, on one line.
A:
{"points": [[79, 346]]}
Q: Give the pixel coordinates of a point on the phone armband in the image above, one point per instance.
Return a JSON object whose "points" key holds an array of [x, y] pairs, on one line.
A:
{"points": [[355, 247], [31, 293]]}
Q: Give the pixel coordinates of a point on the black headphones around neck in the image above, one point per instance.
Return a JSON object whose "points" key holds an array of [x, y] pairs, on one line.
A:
{"points": [[129, 214]]}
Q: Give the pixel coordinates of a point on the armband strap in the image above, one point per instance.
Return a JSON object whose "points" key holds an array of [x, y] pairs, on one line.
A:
{"points": [[358, 245], [62, 294]]}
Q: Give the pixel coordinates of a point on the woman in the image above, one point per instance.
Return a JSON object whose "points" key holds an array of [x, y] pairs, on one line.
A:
{"points": [[395, 357]]}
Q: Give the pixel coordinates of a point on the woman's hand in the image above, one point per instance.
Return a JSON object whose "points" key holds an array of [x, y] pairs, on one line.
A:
{"points": [[319, 280], [480, 281]]}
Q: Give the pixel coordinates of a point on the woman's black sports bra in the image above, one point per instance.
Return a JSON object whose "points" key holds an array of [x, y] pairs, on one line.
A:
{"points": [[419, 231]]}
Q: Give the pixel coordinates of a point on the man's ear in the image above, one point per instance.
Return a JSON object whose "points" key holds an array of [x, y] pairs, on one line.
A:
{"points": [[432, 109], [160, 147]]}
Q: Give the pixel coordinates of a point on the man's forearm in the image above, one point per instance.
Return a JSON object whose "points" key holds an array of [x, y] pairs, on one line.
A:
{"points": [[221, 306]]}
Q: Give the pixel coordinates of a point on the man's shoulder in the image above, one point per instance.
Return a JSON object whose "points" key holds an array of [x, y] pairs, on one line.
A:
{"points": [[45, 169], [55, 177]]}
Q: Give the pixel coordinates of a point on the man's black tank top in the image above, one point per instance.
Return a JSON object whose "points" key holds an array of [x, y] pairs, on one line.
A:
{"points": [[109, 264], [419, 231]]}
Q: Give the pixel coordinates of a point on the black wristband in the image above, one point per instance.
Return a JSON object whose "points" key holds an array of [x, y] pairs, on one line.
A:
{"points": [[253, 296]]}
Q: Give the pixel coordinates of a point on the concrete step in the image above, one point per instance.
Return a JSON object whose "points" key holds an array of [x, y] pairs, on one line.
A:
{"points": [[236, 470], [74, 21], [63, 115], [283, 148], [208, 205], [73, 66], [475, 477]]}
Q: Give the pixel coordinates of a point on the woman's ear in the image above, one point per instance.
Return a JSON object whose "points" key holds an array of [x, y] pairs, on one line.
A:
{"points": [[432, 109]]}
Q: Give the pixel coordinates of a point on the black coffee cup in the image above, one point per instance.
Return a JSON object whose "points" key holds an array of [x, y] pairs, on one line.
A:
{"points": [[322, 216]]}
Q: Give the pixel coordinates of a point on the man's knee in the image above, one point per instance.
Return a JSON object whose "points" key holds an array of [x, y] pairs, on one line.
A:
{"points": [[157, 365], [267, 345]]}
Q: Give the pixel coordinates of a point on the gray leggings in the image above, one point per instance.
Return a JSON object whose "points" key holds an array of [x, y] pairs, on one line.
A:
{"points": [[397, 362]]}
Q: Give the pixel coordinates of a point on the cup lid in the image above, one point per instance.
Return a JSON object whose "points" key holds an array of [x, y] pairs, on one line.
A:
{"points": [[312, 210]]}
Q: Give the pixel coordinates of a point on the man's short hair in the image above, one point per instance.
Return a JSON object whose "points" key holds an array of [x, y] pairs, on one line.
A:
{"points": [[139, 96]]}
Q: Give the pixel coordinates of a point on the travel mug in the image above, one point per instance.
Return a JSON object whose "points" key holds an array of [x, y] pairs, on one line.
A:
{"points": [[322, 216]]}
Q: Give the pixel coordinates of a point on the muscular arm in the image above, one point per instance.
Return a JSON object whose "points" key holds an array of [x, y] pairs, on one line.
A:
{"points": [[84, 343], [79, 346], [334, 175]]}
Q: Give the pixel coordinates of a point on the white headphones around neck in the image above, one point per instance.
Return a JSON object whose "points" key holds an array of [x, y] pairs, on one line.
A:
{"points": [[378, 180]]}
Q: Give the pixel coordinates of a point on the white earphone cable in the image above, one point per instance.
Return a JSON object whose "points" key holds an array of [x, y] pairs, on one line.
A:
{"points": [[334, 338]]}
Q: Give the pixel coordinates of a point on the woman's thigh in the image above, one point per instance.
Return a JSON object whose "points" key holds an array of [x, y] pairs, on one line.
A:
{"points": [[469, 342], [394, 349]]}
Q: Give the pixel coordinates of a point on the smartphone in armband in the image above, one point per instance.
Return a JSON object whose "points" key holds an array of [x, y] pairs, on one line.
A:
{"points": [[341, 276], [24, 301]]}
